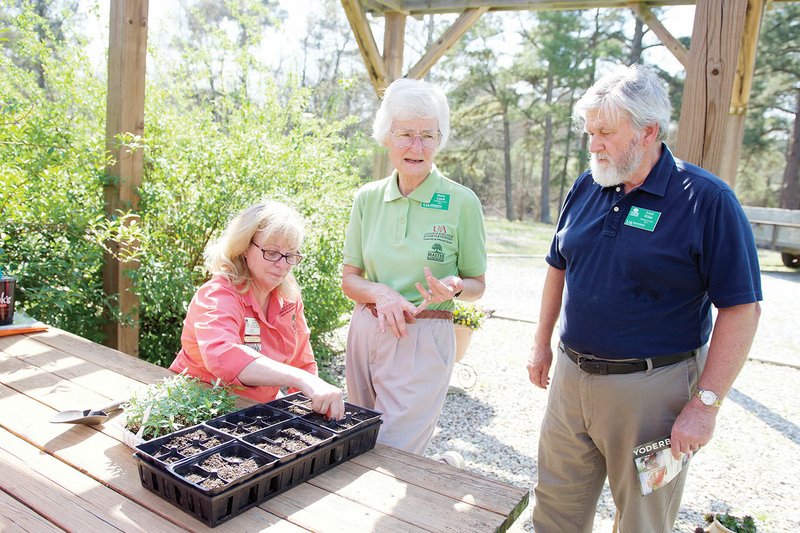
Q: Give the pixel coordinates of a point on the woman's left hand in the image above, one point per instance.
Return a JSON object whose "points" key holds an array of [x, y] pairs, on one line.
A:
{"points": [[439, 290]]}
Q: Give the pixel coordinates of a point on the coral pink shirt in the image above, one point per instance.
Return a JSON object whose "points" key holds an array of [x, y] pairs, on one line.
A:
{"points": [[225, 330]]}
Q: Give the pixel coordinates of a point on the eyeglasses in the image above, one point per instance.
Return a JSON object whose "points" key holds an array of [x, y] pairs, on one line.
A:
{"points": [[404, 138], [275, 256]]}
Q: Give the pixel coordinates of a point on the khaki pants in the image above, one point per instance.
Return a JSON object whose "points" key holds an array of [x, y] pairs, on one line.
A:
{"points": [[590, 427], [406, 379]]}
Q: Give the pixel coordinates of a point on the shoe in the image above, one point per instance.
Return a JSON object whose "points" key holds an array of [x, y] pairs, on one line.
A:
{"points": [[450, 457]]}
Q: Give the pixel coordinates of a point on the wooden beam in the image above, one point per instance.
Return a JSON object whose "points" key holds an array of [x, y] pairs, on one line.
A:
{"points": [[393, 45], [680, 52], [366, 44], [464, 22], [418, 8], [385, 6], [713, 57], [127, 50], [742, 84]]}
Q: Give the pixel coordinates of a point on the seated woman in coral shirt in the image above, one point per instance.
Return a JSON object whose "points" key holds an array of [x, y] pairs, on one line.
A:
{"points": [[246, 324]]}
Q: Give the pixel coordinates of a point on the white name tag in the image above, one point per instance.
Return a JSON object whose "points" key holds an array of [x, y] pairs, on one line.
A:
{"points": [[251, 326]]}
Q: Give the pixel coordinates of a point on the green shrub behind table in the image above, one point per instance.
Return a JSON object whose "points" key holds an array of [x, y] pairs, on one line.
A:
{"points": [[204, 159]]}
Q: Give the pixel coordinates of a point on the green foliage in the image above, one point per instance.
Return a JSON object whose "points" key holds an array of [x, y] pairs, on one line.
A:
{"points": [[193, 186], [468, 314], [175, 403], [52, 226], [207, 154], [734, 523]]}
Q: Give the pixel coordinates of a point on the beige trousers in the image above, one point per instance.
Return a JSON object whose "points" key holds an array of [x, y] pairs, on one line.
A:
{"points": [[589, 430], [406, 379]]}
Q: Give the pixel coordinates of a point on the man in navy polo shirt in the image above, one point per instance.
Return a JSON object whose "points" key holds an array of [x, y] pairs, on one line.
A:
{"points": [[645, 244]]}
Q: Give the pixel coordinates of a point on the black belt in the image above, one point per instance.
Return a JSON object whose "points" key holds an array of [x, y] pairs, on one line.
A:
{"points": [[593, 365]]}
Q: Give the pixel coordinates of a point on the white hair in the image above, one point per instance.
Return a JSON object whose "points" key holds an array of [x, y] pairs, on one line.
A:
{"points": [[637, 91], [411, 99]]}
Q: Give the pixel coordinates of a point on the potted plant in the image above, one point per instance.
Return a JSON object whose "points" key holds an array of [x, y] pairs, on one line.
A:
{"points": [[727, 523], [467, 317], [172, 404]]}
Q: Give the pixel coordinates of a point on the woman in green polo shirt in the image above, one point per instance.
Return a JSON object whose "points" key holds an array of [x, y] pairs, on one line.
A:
{"points": [[415, 242]]}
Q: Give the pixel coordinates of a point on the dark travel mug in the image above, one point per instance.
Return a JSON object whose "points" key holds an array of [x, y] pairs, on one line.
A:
{"points": [[7, 285]]}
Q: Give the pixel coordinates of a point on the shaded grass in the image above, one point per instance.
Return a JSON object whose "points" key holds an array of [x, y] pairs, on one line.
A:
{"points": [[523, 238]]}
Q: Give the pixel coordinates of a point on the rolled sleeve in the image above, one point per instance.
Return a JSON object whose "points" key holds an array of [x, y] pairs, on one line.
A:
{"points": [[216, 315]]}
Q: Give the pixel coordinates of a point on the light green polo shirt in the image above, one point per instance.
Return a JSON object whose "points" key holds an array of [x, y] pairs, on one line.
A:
{"points": [[439, 225]]}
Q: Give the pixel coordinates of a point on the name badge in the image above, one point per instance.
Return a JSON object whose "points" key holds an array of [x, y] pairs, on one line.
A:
{"points": [[439, 200], [251, 326], [641, 218]]}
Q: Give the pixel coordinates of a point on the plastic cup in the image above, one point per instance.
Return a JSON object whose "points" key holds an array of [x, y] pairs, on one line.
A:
{"points": [[7, 285]]}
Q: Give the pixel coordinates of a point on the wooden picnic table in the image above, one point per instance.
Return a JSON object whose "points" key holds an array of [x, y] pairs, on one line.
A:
{"points": [[84, 478]]}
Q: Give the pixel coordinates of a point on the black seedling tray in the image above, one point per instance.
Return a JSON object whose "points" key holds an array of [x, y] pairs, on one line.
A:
{"points": [[193, 489], [250, 420], [289, 439], [297, 404], [355, 418], [220, 468], [213, 509], [180, 445]]}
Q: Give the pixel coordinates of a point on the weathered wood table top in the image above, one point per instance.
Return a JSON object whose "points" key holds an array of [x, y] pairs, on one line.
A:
{"points": [[83, 478]]}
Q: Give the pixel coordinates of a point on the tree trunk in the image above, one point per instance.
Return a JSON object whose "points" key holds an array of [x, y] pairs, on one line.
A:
{"points": [[636, 42], [548, 144], [507, 164], [790, 191]]}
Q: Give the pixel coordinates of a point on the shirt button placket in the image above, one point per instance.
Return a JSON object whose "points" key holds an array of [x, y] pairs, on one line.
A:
{"points": [[402, 220]]}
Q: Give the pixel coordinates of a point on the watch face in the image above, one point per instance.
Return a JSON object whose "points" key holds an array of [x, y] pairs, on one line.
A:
{"points": [[708, 397]]}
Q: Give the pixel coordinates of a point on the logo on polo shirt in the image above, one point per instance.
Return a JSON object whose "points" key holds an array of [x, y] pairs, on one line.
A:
{"points": [[436, 254]]}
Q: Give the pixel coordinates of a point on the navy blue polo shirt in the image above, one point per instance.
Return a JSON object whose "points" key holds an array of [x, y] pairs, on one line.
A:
{"points": [[643, 268]]}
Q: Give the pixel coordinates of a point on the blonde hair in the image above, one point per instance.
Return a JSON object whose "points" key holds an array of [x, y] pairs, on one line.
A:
{"points": [[277, 222]]}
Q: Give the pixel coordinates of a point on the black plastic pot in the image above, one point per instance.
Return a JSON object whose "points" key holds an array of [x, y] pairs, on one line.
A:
{"points": [[223, 467], [250, 420], [355, 418], [180, 445], [297, 404], [289, 439]]}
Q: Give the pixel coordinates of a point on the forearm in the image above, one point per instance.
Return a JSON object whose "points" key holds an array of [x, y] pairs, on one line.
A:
{"points": [[731, 340], [550, 306], [361, 290], [472, 288], [265, 372]]}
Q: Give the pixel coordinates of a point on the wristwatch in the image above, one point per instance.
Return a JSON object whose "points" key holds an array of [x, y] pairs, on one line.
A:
{"points": [[708, 397]]}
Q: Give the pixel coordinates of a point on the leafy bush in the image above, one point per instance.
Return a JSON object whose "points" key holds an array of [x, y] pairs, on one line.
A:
{"points": [[175, 403], [52, 155], [193, 186], [468, 314], [206, 156]]}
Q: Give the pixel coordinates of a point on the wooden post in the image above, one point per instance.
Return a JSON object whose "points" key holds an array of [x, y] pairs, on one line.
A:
{"points": [[393, 47], [124, 115], [740, 99], [713, 57]]}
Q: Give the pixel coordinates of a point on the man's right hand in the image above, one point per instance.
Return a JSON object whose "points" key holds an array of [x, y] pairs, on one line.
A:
{"points": [[539, 361]]}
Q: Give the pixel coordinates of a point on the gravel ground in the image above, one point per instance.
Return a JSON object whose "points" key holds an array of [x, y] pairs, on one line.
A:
{"points": [[752, 466]]}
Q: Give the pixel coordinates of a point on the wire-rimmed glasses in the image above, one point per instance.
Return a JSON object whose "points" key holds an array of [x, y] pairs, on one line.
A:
{"points": [[274, 255], [430, 139]]}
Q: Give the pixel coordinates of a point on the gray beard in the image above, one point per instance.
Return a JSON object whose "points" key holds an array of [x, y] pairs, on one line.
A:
{"points": [[617, 172]]}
